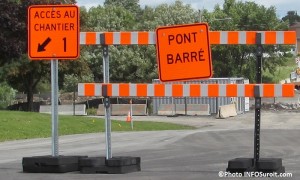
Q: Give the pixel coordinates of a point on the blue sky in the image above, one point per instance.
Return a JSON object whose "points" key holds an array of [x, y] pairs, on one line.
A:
{"points": [[282, 6]]}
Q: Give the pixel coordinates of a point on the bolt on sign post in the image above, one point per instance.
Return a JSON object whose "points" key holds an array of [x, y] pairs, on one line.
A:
{"points": [[183, 52], [53, 32]]}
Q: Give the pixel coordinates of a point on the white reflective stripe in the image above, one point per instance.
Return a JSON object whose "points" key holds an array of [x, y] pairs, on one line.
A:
{"points": [[152, 38], [98, 89], [186, 90], [134, 37], [81, 89], [115, 90], [204, 90], [150, 90], [242, 37], [222, 90], [116, 38], [132, 90], [82, 38], [261, 90], [278, 90], [224, 37], [98, 37], [279, 37], [240, 90], [168, 89], [263, 37]]}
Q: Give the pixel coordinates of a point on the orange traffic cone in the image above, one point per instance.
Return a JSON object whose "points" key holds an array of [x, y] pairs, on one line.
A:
{"points": [[128, 119]]}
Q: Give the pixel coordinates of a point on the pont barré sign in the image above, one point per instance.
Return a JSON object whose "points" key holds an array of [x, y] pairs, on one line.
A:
{"points": [[53, 32], [183, 52]]}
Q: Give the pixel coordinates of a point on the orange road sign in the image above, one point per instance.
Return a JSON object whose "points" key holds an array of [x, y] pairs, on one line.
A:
{"points": [[183, 52], [53, 32]]}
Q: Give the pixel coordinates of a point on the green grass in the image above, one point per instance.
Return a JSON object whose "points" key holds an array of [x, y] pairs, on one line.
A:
{"points": [[281, 72], [16, 125]]}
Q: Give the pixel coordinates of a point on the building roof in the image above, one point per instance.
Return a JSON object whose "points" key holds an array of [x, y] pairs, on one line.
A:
{"points": [[296, 25]]}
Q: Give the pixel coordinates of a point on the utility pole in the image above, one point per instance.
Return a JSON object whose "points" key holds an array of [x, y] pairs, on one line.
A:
{"points": [[200, 15]]}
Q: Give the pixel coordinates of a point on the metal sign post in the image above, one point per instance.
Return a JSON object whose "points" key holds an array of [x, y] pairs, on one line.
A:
{"points": [[259, 53], [54, 106], [131, 119], [107, 103]]}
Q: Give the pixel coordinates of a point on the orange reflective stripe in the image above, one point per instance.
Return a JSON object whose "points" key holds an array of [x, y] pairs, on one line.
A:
{"points": [[213, 90], [89, 89], [231, 90], [123, 89], [233, 37], [288, 90], [90, 38], [270, 37], [143, 37], [109, 89], [109, 38], [250, 37], [141, 90], [195, 90], [125, 38], [249, 90], [268, 90], [214, 37], [159, 90], [290, 37], [177, 90]]}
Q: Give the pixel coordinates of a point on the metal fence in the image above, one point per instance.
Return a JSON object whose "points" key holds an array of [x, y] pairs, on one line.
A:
{"points": [[214, 102]]}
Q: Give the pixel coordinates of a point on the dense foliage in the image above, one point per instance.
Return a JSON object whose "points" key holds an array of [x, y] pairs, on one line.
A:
{"points": [[292, 17], [7, 95]]}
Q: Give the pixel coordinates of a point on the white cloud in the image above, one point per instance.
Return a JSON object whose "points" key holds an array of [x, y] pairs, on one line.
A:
{"points": [[89, 3]]}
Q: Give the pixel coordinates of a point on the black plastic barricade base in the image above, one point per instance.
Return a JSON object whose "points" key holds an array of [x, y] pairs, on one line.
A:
{"points": [[263, 165], [115, 165], [51, 164], [239, 165]]}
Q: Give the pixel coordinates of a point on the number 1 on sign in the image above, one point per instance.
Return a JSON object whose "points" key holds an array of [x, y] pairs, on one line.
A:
{"points": [[65, 44]]}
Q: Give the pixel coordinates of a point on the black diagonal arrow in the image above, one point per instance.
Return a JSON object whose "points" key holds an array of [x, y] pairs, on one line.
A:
{"points": [[41, 47]]}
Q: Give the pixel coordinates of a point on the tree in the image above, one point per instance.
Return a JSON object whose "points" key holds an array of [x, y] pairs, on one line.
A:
{"points": [[131, 63], [7, 94], [107, 18], [292, 17], [165, 14], [12, 31], [132, 6], [15, 67], [232, 61]]}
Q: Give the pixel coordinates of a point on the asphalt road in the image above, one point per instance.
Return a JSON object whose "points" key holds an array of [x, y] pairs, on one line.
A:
{"points": [[170, 155]]}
